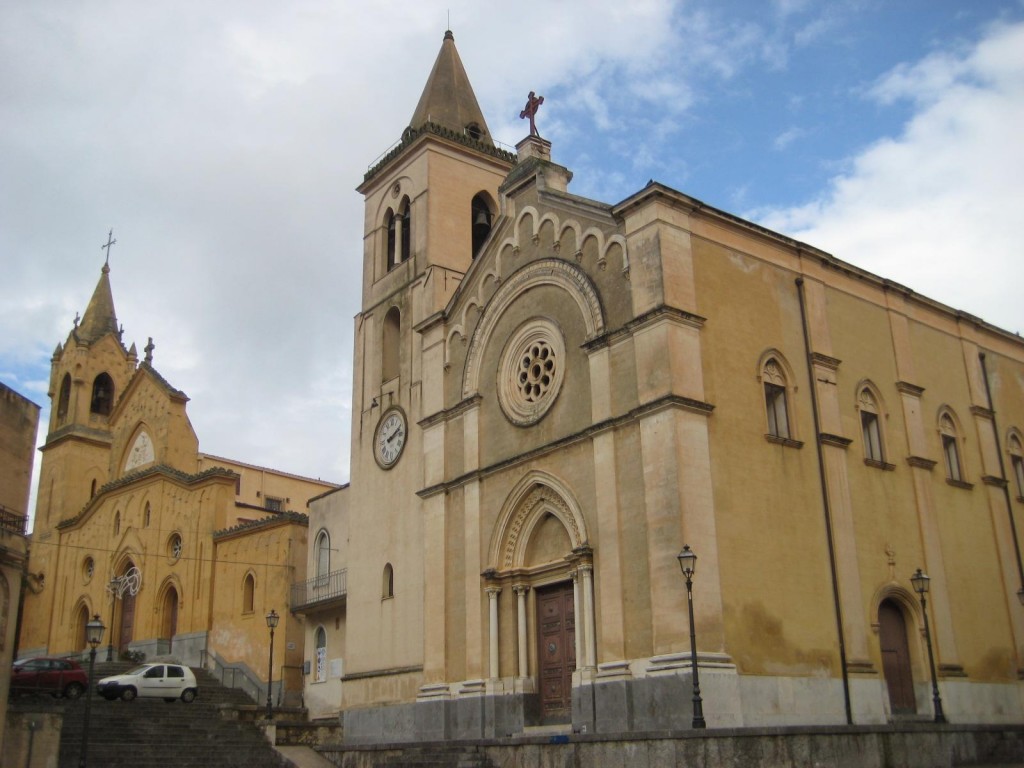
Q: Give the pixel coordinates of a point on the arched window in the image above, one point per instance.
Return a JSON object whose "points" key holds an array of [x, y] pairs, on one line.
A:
{"points": [[321, 654], [950, 448], [117, 522], [249, 593], [146, 516], [390, 344], [323, 557], [102, 395], [775, 398], [481, 219], [64, 399], [169, 614], [390, 224], [92, 488], [1017, 463], [405, 225], [388, 589], [870, 426]]}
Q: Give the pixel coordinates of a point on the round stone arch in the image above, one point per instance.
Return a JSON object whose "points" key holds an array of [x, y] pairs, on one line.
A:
{"points": [[554, 272], [534, 497]]}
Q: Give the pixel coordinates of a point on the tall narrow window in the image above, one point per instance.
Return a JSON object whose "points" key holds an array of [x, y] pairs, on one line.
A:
{"points": [[405, 227], [102, 395], [950, 449], [481, 222], [323, 558], [321, 654], [390, 225], [249, 594], [775, 399], [388, 588], [1017, 464], [64, 399], [871, 431], [117, 523], [390, 344], [146, 517]]}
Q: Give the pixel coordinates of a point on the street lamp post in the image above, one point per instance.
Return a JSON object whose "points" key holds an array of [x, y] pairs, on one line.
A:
{"points": [[114, 583], [921, 582], [688, 564], [94, 636], [272, 619]]}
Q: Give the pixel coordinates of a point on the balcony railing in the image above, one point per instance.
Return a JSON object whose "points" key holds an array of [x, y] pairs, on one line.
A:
{"points": [[320, 590], [12, 521]]}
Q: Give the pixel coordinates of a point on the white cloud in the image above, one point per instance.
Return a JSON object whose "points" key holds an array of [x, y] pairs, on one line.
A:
{"points": [[921, 207]]}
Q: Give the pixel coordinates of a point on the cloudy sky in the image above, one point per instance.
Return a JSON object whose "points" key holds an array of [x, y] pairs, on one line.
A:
{"points": [[223, 141]]}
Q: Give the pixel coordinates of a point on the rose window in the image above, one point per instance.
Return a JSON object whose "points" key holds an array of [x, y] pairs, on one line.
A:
{"points": [[531, 371]]}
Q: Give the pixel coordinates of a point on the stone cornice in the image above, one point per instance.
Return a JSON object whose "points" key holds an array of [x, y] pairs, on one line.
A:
{"points": [[832, 363], [907, 388], [668, 401], [837, 441], [278, 518], [920, 462]]}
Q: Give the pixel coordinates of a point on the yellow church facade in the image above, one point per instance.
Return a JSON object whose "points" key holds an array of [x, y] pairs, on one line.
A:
{"points": [[554, 395], [179, 553]]}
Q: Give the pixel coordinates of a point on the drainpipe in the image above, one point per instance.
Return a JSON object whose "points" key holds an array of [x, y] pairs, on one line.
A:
{"points": [[1002, 469], [826, 507]]}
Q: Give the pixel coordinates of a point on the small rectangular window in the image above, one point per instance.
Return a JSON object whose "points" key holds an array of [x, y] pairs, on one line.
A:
{"points": [[1018, 471], [872, 436], [274, 504], [775, 403], [952, 458]]}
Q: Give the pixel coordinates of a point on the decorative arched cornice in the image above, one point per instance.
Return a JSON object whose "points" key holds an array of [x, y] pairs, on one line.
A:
{"points": [[898, 593], [783, 363], [534, 496], [553, 272], [876, 393]]}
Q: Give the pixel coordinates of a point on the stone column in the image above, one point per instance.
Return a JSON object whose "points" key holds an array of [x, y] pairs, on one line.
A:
{"points": [[492, 600], [521, 590], [578, 634], [589, 646]]}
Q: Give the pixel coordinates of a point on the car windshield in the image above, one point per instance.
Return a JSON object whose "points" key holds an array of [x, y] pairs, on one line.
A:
{"points": [[21, 663], [138, 670]]}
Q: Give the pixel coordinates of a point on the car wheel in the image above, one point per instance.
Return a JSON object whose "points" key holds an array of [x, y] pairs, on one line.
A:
{"points": [[188, 695], [128, 694], [74, 690]]}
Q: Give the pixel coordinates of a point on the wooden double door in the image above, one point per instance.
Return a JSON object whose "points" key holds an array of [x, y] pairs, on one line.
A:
{"points": [[556, 651]]}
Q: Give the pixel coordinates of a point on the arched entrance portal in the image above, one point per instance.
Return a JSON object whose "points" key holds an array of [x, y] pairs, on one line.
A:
{"points": [[169, 616], [130, 581], [899, 677], [539, 554]]}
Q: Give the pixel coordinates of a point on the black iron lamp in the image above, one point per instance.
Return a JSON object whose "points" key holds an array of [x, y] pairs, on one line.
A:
{"points": [[272, 619], [93, 636], [688, 564], [922, 582]]}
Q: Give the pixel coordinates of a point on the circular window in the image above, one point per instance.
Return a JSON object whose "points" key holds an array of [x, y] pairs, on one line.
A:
{"points": [[531, 371], [88, 569], [174, 547]]}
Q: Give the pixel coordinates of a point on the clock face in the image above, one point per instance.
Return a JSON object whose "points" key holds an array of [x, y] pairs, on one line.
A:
{"points": [[390, 438]]}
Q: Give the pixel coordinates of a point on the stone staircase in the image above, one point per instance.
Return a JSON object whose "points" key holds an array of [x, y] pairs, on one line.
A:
{"points": [[147, 733], [440, 756]]}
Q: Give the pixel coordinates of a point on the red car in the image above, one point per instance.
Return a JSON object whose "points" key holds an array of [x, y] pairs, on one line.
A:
{"points": [[59, 677]]}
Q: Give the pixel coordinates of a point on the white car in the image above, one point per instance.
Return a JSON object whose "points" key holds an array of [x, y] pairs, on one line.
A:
{"points": [[158, 681]]}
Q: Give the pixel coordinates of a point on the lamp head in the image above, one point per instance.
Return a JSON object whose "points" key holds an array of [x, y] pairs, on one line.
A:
{"points": [[94, 631], [272, 618], [687, 561], [920, 580]]}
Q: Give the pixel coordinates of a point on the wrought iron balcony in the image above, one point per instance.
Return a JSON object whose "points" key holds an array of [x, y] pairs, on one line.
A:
{"points": [[12, 521], [319, 592]]}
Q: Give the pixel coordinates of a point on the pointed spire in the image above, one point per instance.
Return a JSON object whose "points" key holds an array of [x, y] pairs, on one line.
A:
{"points": [[448, 99], [99, 318]]}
